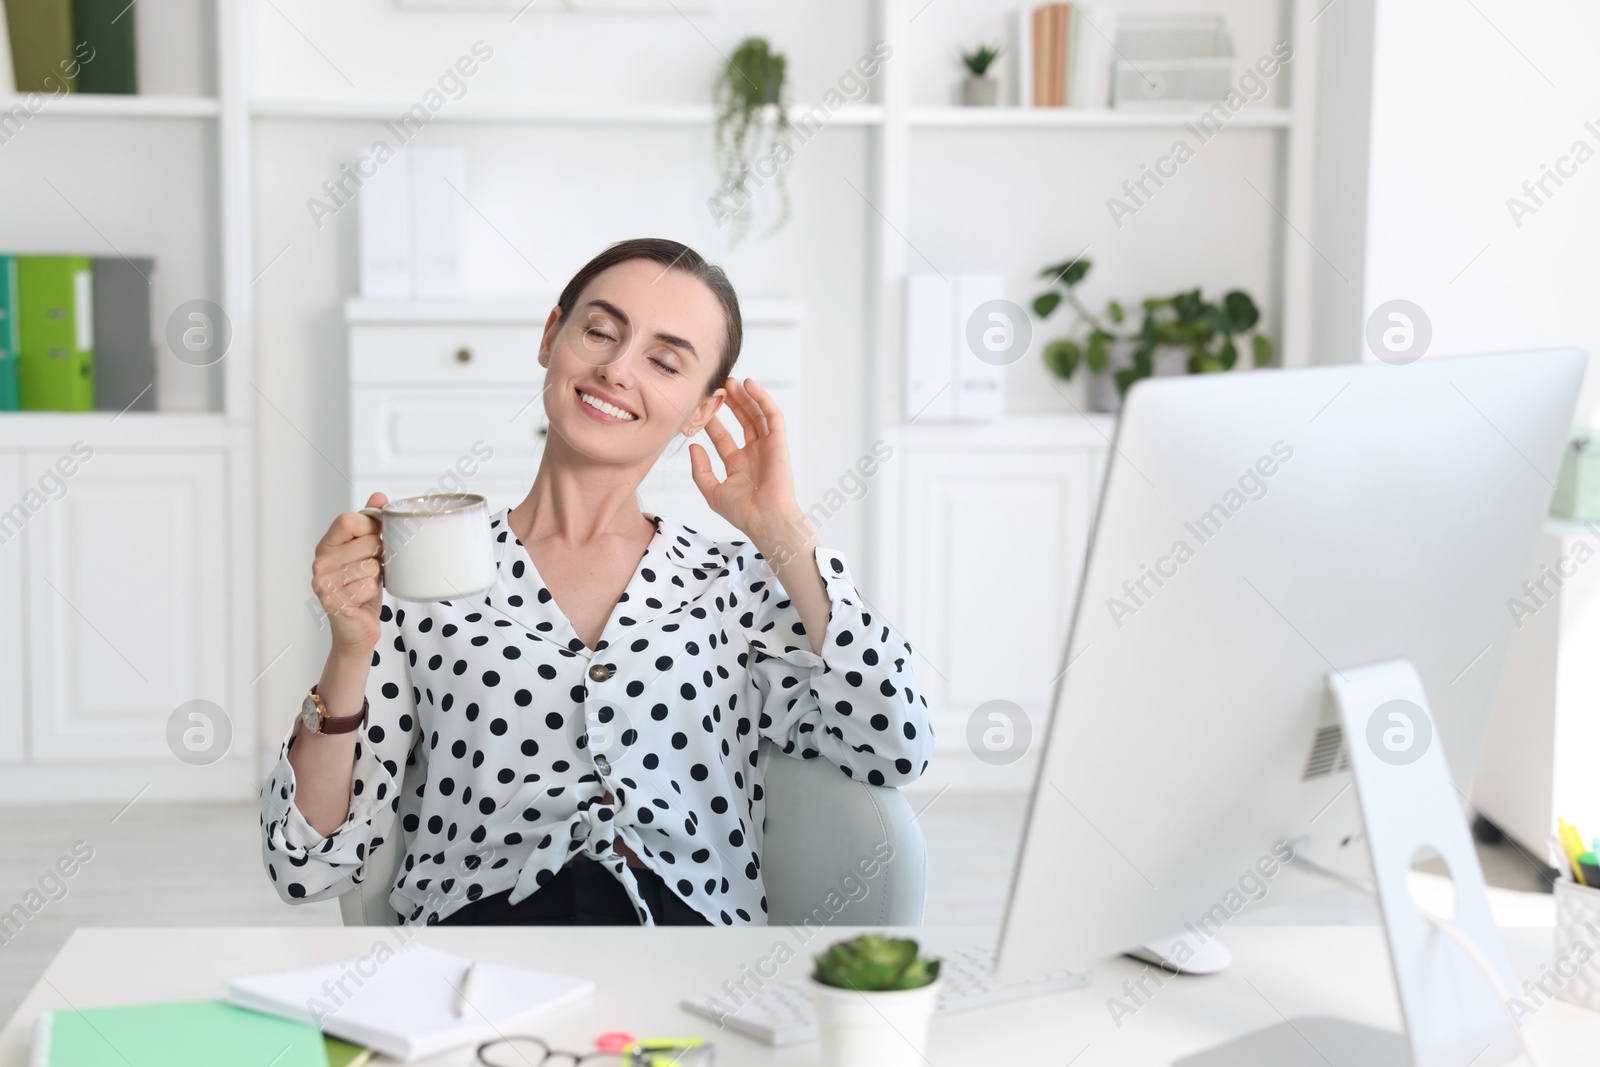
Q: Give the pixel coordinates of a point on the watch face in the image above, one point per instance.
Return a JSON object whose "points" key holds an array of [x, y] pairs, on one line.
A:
{"points": [[309, 715]]}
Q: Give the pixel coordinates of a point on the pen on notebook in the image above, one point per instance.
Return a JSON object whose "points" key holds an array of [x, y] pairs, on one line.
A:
{"points": [[469, 989]]}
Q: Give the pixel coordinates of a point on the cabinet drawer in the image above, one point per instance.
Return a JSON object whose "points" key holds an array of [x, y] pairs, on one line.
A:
{"points": [[445, 354], [396, 428]]}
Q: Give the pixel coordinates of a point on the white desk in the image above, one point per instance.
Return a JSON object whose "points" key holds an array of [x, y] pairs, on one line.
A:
{"points": [[1278, 971]]}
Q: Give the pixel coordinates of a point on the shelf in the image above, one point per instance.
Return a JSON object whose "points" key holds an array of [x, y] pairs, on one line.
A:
{"points": [[111, 105], [754, 310], [133, 429], [534, 114], [1083, 118]]}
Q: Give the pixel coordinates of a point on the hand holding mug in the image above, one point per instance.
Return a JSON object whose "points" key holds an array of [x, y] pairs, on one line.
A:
{"points": [[346, 575]]}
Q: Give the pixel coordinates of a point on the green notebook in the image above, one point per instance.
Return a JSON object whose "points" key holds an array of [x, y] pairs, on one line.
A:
{"points": [[10, 341], [102, 31], [56, 369], [41, 45], [197, 1033]]}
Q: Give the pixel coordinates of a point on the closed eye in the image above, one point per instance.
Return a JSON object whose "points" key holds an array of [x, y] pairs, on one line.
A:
{"points": [[669, 369]]}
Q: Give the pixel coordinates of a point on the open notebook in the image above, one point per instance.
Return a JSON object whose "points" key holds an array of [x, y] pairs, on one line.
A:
{"points": [[404, 1004]]}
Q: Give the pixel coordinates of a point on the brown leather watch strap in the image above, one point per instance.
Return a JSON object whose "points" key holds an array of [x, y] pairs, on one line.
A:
{"points": [[340, 724]]}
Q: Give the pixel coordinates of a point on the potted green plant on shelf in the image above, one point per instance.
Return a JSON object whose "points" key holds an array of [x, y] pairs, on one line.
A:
{"points": [[750, 133], [979, 89], [1177, 334], [874, 999]]}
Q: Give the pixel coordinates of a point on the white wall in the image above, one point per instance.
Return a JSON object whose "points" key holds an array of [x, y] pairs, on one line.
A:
{"points": [[1468, 102]]}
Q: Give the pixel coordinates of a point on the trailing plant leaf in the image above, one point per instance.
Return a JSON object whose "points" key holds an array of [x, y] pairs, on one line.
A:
{"points": [[1241, 311], [1115, 313], [1228, 356], [1069, 273], [1045, 303], [1095, 355], [1261, 347], [1062, 357]]}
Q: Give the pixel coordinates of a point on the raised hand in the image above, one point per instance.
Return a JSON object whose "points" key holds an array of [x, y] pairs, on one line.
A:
{"points": [[757, 496]]}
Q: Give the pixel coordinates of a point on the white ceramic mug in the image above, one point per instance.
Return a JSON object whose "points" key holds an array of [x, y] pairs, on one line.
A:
{"points": [[436, 547]]}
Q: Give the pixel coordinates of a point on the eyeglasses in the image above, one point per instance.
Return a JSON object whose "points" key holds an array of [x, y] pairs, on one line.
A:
{"points": [[656, 1052]]}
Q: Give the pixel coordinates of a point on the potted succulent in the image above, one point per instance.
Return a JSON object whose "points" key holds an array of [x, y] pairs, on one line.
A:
{"points": [[874, 997], [979, 89], [1177, 334], [751, 123]]}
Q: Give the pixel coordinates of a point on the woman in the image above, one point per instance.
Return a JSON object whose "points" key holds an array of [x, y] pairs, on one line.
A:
{"points": [[587, 735]]}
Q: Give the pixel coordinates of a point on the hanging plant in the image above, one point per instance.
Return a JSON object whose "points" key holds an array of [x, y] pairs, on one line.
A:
{"points": [[750, 138]]}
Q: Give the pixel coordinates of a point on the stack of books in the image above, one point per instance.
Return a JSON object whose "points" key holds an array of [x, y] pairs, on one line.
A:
{"points": [[1063, 55], [57, 46], [52, 311]]}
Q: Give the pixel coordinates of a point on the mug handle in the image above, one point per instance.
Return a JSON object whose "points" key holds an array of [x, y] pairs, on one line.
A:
{"points": [[376, 513]]}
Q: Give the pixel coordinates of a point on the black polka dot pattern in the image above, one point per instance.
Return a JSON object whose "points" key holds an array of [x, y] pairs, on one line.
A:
{"points": [[526, 747]]}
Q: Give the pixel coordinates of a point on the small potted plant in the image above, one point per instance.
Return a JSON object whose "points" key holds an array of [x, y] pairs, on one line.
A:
{"points": [[1181, 333], [752, 125], [874, 997], [979, 89]]}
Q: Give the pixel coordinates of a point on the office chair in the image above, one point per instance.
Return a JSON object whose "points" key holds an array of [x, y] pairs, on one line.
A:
{"points": [[822, 829]]}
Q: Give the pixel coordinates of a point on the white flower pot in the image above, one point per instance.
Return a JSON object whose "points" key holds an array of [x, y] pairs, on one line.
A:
{"points": [[981, 91], [885, 1029]]}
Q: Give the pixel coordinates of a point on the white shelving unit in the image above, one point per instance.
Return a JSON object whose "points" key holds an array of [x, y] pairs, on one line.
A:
{"points": [[136, 587], [894, 122]]}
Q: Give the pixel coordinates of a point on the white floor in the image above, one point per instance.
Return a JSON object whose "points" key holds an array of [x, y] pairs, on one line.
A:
{"points": [[199, 865]]}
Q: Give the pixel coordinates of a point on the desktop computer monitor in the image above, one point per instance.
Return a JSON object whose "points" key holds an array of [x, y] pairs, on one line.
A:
{"points": [[1259, 533]]}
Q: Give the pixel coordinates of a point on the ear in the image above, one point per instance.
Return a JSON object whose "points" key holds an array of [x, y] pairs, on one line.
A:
{"points": [[704, 412], [548, 339]]}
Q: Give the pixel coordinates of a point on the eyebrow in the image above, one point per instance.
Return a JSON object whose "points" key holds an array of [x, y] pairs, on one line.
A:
{"points": [[669, 338]]}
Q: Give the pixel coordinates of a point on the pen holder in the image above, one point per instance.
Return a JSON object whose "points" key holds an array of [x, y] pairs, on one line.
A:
{"points": [[1577, 948]]}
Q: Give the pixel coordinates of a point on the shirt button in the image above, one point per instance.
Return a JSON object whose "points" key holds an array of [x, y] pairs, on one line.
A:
{"points": [[602, 764], [599, 672]]}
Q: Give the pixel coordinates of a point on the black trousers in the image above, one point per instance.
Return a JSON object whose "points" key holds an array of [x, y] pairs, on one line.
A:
{"points": [[583, 893]]}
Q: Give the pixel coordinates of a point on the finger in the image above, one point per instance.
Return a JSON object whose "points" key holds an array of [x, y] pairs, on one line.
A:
{"points": [[727, 448], [377, 500], [353, 597], [348, 526], [705, 479], [367, 546], [769, 407], [744, 409], [329, 582]]}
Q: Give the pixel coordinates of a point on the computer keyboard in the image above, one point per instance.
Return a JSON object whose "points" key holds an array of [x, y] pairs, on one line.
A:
{"points": [[780, 1012]]}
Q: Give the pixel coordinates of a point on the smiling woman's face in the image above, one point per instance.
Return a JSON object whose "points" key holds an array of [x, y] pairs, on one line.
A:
{"points": [[629, 367]]}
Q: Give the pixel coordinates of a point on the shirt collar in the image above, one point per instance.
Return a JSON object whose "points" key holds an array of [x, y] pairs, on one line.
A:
{"points": [[674, 546]]}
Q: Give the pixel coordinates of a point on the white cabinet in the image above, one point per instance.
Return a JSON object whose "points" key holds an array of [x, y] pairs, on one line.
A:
{"points": [[981, 551], [119, 603], [446, 396], [127, 600]]}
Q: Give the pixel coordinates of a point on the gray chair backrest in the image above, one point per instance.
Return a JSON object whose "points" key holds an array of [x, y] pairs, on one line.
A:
{"points": [[837, 852]]}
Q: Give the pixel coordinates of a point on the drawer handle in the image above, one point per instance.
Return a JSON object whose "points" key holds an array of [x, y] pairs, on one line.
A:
{"points": [[463, 355]]}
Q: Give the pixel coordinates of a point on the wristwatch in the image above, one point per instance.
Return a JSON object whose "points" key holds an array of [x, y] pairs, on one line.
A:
{"points": [[314, 713]]}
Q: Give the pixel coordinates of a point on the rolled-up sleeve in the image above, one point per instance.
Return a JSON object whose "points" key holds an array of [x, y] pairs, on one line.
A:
{"points": [[307, 866], [857, 703]]}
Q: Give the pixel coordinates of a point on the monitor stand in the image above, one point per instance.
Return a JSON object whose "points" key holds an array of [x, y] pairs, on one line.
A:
{"points": [[1451, 1012]]}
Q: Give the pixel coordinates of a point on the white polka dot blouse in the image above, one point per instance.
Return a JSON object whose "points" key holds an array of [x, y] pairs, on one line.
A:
{"points": [[520, 747]]}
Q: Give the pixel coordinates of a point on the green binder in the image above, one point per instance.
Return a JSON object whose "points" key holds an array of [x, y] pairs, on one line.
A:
{"points": [[10, 343], [56, 369], [102, 31], [195, 1033], [41, 45]]}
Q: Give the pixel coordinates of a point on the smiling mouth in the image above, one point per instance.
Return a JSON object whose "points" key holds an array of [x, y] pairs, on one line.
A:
{"points": [[605, 408]]}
